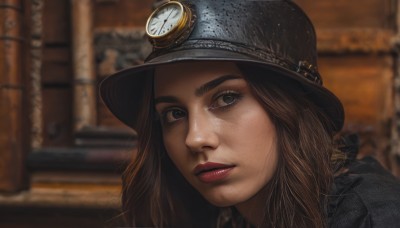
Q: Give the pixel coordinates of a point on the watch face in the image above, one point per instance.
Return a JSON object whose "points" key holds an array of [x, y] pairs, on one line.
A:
{"points": [[165, 19], [170, 24]]}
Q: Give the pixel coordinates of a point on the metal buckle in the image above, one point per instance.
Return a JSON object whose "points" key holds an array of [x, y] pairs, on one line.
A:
{"points": [[309, 71]]}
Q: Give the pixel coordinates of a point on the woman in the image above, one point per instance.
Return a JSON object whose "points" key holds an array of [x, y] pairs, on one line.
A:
{"points": [[235, 128]]}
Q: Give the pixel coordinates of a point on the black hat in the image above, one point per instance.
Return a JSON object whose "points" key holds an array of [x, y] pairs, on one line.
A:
{"points": [[271, 35]]}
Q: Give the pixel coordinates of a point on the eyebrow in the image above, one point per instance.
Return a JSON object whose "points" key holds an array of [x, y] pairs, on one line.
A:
{"points": [[201, 90], [214, 83], [165, 99]]}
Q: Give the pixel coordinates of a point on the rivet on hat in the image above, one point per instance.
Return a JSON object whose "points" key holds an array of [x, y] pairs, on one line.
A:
{"points": [[309, 71]]}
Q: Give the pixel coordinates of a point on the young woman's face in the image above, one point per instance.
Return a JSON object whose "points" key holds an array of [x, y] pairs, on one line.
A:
{"points": [[215, 131]]}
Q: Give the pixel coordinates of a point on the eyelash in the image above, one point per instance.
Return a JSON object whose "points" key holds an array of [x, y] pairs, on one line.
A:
{"points": [[214, 106], [164, 114], [234, 94]]}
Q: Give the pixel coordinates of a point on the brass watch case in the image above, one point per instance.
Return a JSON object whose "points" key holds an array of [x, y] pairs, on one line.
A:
{"points": [[179, 32]]}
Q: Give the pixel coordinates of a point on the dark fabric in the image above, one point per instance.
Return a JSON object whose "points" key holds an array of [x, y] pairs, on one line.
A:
{"points": [[365, 196]]}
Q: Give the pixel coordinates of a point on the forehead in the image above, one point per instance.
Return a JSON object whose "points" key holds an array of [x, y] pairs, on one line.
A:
{"points": [[190, 74]]}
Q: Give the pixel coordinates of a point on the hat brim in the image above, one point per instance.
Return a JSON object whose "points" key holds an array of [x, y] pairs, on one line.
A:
{"points": [[122, 92]]}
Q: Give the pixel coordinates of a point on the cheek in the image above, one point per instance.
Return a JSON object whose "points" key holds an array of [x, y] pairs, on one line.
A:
{"points": [[255, 143], [172, 137], [252, 129], [175, 148], [264, 146], [171, 146]]}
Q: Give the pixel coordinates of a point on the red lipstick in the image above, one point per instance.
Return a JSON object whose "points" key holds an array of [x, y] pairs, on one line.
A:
{"points": [[211, 172]]}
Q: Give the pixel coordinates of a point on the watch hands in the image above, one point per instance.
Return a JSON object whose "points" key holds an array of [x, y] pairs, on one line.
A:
{"points": [[159, 31], [165, 21]]}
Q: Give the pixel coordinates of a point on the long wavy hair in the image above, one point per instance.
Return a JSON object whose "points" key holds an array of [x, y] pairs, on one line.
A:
{"points": [[155, 193]]}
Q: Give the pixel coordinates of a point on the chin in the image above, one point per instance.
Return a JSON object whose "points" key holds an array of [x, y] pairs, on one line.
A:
{"points": [[221, 199], [221, 203]]}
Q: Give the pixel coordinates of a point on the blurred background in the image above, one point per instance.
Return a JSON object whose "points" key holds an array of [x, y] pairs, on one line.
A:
{"points": [[62, 152]]}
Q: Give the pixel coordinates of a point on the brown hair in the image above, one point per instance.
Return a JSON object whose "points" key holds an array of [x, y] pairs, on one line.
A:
{"points": [[156, 194]]}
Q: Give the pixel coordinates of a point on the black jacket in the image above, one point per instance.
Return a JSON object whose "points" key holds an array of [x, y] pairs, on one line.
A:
{"points": [[365, 196]]}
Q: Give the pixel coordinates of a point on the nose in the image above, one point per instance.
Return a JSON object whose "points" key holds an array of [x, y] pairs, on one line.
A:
{"points": [[201, 134]]}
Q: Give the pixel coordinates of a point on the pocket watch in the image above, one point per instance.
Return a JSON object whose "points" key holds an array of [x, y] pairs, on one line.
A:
{"points": [[170, 24]]}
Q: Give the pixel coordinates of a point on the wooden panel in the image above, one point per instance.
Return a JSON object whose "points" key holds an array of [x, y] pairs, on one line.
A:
{"points": [[65, 204], [12, 3], [122, 13], [107, 158], [10, 46], [342, 41], [11, 108], [363, 83], [85, 90], [350, 14], [9, 56], [57, 65], [9, 15], [55, 195], [57, 74], [57, 113], [56, 21], [11, 153]]}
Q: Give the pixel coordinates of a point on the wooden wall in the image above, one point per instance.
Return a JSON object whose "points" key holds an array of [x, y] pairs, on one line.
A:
{"points": [[358, 49], [12, 97], [357, 62], [57, 74], [119, 42], [355, 44]]}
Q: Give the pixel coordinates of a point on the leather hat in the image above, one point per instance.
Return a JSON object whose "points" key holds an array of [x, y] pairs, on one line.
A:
{"points": [[271, 35]]}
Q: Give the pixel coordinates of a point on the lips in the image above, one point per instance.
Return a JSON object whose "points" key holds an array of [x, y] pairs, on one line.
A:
{"points": [[212, 172]]}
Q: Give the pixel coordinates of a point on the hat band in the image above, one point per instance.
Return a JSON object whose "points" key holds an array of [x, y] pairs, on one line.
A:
{"points": [[309, 71]]}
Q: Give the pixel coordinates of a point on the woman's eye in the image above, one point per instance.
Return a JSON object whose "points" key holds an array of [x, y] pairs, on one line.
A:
{"points": [[225, 100], [173, 115]]}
